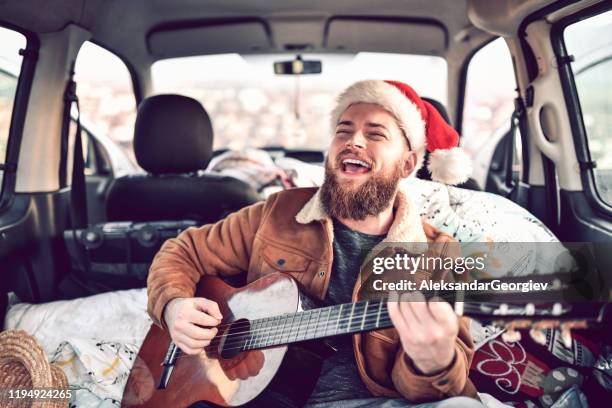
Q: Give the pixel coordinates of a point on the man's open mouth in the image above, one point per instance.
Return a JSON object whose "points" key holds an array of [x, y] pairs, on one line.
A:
{"points": [[355, 166]]}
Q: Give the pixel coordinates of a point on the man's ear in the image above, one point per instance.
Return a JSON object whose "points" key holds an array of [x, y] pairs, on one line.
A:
{"points": [[410, 160]]}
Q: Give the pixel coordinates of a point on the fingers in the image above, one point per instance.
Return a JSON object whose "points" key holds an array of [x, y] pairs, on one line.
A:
{"points": [[443, 323], [183, 343], [192, 339], [442, 312], [422, 321], [251, 365], [186, 330], [242, 371], [231, 374], [192, 323], [247, 364], [256, 363], [208, 306], [413, 309], [188, 344], [397, 319], [198, 333], [427, 331], [201, 318]]}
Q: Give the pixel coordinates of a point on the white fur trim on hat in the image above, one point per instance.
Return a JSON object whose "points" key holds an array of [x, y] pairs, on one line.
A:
{"points": [[450, 166], [392, 100]]}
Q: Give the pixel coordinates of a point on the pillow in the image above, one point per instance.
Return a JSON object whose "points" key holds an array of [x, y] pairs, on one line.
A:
{"points": [[515, 242]]}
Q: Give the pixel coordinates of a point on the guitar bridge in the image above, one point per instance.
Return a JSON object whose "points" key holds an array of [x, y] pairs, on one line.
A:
{"points": [[168, 365]]}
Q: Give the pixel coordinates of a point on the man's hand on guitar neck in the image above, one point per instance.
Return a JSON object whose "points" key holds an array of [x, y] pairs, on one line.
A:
{"points": [[427, 330], [192, 322]]}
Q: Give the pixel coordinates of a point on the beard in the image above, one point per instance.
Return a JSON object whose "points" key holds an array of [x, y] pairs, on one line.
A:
{"points": [[342, 200]]}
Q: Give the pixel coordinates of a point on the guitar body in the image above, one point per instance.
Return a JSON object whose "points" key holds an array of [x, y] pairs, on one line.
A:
{"points": [[206, 377], [249, 363]]}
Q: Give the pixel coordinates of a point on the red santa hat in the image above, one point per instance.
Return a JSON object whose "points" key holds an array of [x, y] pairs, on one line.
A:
{"points": [[421, 123]]}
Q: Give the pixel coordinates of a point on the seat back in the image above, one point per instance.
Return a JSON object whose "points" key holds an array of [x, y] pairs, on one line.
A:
{"points": [[423, 173], [172, 142]]}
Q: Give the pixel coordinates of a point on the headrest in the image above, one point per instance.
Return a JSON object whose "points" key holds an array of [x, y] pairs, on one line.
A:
{"points": [[439, 107], [173, 134]]}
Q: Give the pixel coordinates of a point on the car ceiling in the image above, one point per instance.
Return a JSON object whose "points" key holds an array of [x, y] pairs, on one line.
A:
{"points": [[143, 31]]}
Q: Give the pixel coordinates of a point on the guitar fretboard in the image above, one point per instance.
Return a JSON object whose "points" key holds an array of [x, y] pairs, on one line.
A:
{"points": [[317, 323]]}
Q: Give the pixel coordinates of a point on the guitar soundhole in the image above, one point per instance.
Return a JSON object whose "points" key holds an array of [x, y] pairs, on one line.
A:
{"points": [[234, 338]]}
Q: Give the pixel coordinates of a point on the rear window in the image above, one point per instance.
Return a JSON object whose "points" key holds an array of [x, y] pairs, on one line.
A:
{"points": [[590, 43], [106, 96], [250, 106], [10, 65]]}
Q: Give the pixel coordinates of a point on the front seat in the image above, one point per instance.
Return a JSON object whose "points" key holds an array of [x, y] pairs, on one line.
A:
{"points": [[172, 141], [423, 173]]}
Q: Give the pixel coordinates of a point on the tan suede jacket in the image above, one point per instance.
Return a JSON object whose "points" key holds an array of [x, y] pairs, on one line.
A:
{"points": [[291, 233]]}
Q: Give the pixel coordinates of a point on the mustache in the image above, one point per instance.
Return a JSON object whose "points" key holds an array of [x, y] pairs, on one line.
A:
{"points": [[355, 154]]}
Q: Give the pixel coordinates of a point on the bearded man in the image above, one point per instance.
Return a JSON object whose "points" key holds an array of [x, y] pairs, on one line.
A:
{"points": [[381, 130]]}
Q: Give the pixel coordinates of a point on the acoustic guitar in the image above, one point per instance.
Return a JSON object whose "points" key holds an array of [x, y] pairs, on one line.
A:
{"points": [[263, 318]]}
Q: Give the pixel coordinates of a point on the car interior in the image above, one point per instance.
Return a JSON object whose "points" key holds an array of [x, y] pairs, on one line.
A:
{"points": [[543, 156]]}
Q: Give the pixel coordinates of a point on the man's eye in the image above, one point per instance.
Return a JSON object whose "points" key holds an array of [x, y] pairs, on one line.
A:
{"points": [[342, 132], [376, 135]]}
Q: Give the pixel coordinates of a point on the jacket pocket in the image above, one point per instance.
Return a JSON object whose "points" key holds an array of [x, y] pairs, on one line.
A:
{"points": [[277, 259]]}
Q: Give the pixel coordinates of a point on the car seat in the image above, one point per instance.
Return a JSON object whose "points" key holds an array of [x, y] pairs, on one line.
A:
{"points": [[173, 140]]}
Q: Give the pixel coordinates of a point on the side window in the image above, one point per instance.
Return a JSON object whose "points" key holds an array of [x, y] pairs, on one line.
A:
{"points": [[10, 65], [589, 42], [488, 106], [95, 156], [108, 105]]}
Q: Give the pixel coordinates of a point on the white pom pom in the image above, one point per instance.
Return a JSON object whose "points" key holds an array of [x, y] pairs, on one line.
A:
{"points": [[450, 166]]}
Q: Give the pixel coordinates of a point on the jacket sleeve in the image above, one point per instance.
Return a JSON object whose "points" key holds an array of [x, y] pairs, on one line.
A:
{"points": [[223, 248], [453, 381]]}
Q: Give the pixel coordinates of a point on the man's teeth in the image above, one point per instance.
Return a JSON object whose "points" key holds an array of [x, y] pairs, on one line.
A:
{"points": [[357, 162]]}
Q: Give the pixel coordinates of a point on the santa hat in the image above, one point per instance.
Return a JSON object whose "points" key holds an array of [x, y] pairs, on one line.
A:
{"points": [[421, 123]]}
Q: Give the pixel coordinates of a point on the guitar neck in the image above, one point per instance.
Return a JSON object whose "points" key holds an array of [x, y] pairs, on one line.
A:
{"points": [[347, 318]]}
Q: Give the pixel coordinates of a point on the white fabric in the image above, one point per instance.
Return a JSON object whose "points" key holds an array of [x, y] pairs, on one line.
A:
{"points": [[513, 238], [93, 339]]}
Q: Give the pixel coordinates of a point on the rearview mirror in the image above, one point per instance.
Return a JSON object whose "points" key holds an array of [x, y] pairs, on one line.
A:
{"points": [[298, 66]]}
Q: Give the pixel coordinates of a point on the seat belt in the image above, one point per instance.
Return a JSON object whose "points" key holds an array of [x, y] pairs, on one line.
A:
{"points": [[519, 192], [78, 193]]}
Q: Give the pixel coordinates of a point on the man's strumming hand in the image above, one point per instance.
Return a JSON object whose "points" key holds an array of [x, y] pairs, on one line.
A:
{"points": [[192, 322]]}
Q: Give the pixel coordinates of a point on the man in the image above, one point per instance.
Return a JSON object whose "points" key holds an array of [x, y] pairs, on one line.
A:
{"points": [[381, 130]]}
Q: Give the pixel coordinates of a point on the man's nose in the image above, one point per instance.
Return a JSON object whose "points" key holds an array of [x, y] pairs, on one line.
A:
{"points": [[356, 140]]}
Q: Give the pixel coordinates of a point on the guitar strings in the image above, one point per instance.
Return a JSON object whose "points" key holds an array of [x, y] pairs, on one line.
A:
{"points": [[270, 318], [236, 341], [312, 326], [306, 322], [278, 335], [427, 294], [214, 352], [245, 326], [278, 331]]}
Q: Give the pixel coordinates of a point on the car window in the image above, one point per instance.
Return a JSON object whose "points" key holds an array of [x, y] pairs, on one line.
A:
{"points": [[251, 106], [106, 96], [10, 65], [590, 43], [89, 146], [489, 102]]}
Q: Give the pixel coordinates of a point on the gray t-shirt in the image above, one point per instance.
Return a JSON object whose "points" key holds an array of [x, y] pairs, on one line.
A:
{"points": [[339, 379]]}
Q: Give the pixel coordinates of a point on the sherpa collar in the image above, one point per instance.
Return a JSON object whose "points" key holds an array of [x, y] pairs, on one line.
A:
{"points": [[407, 226]]}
